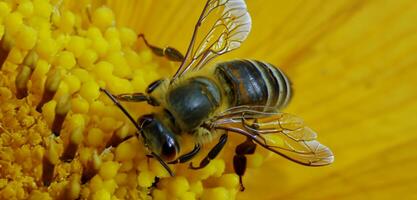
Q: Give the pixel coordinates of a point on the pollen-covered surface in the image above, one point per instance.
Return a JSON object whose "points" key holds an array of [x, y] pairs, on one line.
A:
{"points": [[56, 125]]}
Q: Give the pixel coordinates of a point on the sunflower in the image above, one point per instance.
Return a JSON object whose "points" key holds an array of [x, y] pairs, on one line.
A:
{"points": [[352, 66]]}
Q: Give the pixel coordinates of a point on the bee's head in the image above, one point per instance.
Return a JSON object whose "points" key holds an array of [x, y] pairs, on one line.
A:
{"points": [[159, 136]]}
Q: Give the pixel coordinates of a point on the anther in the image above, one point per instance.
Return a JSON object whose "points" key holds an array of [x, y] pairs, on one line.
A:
{"points": [[91, 168], [61, 110], [50, 160], [4, 50], [21, 81], [75, 140], [30, 59], [51, 86], [23, 76]]}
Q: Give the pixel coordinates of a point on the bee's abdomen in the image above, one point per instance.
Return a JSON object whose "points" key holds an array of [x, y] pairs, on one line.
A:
{"points": [[251, 82]]}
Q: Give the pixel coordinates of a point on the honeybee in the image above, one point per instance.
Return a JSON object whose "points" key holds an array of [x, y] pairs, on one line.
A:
{"points": [[208, 102]]}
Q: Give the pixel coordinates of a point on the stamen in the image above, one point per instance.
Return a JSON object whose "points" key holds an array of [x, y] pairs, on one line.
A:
{"points": [[4, 50], [51, 86], [75, 140], [50, 160], [25, 73], [22, 79], [91, 167], [61, 110]]}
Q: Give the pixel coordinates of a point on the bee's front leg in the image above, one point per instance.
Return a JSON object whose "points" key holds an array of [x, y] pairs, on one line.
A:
{"points": [[187, 156], [213, 152], [170, 53]]}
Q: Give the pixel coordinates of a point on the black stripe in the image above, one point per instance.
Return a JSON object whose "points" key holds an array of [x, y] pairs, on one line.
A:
{"points": [[288, 88], [260, 95], [282, 98], [272, 81], [284, 91]]}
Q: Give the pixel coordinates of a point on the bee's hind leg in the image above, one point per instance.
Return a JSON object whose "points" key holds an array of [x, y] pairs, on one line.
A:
{"points": [[213, 152], [239, 160], [170, 53]]}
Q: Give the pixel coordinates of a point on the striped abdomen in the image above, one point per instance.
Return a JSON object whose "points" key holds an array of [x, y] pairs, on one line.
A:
{"points": [[251, 82]]}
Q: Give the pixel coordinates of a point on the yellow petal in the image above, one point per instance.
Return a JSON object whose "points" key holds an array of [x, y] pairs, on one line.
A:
{"points": [[352, 66]]}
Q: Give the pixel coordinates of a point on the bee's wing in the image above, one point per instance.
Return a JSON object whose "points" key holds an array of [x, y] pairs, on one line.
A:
{"points": [[282, 133], [222, 27]]}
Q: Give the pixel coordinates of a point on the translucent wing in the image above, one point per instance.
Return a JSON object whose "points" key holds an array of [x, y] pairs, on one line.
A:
{"points": [[222, 27], [282, 133]]}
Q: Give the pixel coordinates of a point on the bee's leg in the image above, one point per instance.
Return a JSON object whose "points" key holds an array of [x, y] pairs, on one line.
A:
{"points": [[132, 97], [162, 162], [136, 97], [213, 152], [188, 156], [117, 103], [170, 53], [129, 97], [239, 160]]}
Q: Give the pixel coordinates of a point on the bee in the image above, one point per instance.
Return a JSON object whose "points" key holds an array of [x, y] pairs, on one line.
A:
{"points": [[209, 101]]}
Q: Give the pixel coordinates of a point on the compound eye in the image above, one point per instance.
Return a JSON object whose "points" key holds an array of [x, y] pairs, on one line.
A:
{"points": [[169, 150], [153, 86]]}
